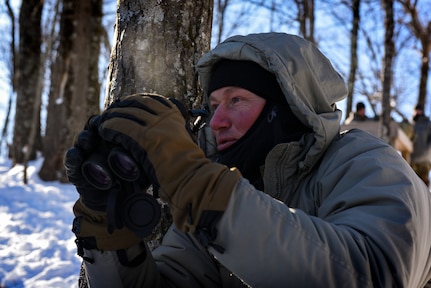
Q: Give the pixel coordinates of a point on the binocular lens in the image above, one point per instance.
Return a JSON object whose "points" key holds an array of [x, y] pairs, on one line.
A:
{"points": [[123, 166], [97, 175], [101, 170], [141, 213]]}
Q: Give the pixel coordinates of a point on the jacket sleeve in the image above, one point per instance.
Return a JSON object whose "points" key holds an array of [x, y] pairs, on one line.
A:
{"points": [[361, 221], [183, 262], [179, 262], [106, 269]]}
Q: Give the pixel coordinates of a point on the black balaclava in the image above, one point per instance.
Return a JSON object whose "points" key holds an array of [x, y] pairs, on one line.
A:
{"points": [[275, 124]]}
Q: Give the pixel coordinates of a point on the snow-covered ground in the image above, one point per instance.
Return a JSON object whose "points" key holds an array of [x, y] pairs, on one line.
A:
{"points": [[37, 246]]}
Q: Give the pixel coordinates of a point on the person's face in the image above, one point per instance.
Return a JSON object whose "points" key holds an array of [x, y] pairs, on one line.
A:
{"points": [[418, 112], [234, 111], [361, 112]]}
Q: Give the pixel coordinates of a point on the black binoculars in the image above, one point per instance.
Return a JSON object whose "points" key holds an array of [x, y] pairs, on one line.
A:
{"points": [[114, 171], [101, 170]]}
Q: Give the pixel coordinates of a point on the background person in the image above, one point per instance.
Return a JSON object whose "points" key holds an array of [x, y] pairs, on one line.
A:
{"points": [[421, 155], [360, 112], [306, 207]]}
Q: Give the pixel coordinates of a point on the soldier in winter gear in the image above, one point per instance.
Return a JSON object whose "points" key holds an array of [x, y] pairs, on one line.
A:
{"points": [[286, 200]]}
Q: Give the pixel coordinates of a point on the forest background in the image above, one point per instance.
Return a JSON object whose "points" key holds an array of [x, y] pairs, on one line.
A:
{"points": [[60, 58]]}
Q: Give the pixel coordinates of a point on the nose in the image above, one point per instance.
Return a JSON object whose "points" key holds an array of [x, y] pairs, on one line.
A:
{"points": [[219, 119]]}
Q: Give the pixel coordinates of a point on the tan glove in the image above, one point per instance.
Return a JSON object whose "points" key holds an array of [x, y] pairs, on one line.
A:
{"points": [[153, 130], [90, 228]]}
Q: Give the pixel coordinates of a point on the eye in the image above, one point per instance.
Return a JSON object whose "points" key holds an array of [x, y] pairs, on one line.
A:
{"points": [[213, 106], [235, 100]]}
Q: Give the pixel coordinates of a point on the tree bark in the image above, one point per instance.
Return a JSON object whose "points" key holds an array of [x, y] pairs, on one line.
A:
{"points": [[28, 81], [157, 44], [388, 6], [12, 76], [306, 18], [423, 33], [356, 19], [75, 89]]}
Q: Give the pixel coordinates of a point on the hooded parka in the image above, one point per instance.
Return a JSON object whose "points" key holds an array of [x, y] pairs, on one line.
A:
{"points": [[338, 209]]}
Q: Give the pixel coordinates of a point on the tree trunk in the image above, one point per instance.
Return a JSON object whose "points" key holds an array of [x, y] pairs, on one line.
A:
{"points": [[12, 78], [157, 45], [356, 19], [425, 67], [306, 18], [388, 6], [423, 33], [220, 18], [28, 78], [75, 88]]}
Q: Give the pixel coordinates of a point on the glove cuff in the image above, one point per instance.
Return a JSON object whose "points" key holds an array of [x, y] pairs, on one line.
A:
{"points": [[91, 229], [213, 185]]}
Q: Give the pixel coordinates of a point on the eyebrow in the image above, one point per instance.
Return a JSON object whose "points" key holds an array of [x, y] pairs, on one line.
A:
{"points": [[211, 98], [228, 89]]}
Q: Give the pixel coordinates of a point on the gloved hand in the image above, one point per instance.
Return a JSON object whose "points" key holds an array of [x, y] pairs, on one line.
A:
{"points": [[91, 222], [86, 143], [152, 129]]}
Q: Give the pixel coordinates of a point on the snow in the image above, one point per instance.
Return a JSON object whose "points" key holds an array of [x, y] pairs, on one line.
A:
{"points": [[37, 247]]}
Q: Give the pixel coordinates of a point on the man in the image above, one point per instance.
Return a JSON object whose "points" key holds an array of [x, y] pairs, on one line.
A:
{"points": [[305, 207], [421, 155], [360, 112]]}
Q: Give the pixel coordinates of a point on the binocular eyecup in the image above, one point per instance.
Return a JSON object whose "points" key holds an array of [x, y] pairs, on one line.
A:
{"points": [[101, 170]]}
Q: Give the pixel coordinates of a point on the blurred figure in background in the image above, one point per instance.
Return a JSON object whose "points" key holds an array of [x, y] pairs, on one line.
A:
{"points": [[421, 156], [360, 112]]}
